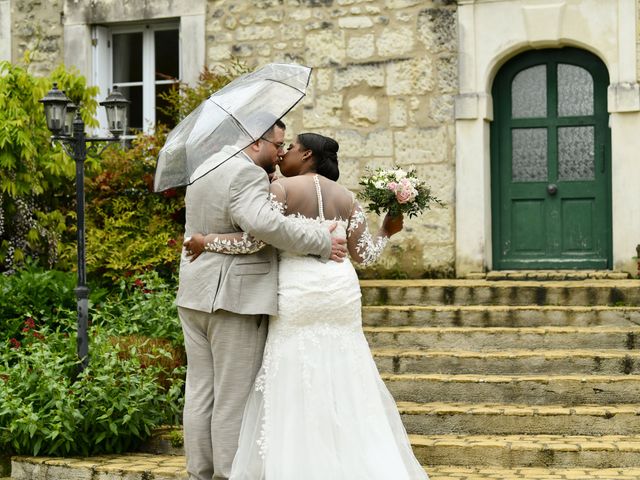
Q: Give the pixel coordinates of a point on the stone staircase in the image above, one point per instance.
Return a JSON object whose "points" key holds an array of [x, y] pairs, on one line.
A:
{"points": [[494, 379], [513, 379]]}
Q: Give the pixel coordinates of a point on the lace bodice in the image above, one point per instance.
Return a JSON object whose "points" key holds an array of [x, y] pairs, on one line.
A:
{"points": [[362, 245]]}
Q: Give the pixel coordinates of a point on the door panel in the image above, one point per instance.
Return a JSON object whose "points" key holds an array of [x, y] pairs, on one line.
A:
{"points": [[550, 170], [578, 225], [529, 227]]}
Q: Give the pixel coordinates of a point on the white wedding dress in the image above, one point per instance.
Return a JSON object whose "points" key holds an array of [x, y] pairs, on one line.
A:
{"points": [[319, 409]]}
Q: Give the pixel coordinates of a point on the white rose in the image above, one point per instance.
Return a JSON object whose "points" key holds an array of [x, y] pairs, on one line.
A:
{"points": [[400, 174]]}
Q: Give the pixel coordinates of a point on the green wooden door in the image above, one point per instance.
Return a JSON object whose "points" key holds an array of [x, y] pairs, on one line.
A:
{"points": [[550, 162]]}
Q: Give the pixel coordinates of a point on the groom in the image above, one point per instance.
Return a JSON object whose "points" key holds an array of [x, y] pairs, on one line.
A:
{"points": [[224, 300]]}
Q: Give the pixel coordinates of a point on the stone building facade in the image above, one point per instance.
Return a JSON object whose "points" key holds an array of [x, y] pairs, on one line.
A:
{"points": [[412, 82]]}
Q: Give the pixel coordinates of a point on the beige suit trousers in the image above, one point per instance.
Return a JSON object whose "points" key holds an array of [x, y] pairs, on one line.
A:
{"points": [[224, 354]]}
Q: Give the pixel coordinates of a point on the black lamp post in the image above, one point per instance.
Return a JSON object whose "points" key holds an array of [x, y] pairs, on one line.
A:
{"points": [[67, 127]]}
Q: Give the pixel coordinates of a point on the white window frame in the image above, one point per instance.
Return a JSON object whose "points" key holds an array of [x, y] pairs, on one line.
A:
{"points": [[102, 41]]}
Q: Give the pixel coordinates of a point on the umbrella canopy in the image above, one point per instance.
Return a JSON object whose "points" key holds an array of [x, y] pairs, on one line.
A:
{"points": [[228, 121]]}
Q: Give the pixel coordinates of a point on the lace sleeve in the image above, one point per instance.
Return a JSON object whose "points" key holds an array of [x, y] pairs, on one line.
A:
{"points": [[363, 247], [237, 243], [241, 243]]}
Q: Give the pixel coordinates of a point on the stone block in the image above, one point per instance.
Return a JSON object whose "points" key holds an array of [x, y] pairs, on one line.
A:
{"points": [[355, 22], [410, 77], [350, 171], [441, 109], [326, 112], [217, 52], [363, 110], [397, 112], [325, 47], [447, 68], [371, 75], [437, 29], [394, 42], [421, 145], [299, 14], [255, 32], [322, 78], [379, 143], [361, 47]]}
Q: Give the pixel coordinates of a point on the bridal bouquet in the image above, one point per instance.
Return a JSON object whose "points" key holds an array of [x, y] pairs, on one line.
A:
{"points": [[395, 191]]}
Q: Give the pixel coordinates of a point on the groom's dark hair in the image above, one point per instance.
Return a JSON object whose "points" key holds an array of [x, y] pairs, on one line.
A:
{"points": [[279, 123]]}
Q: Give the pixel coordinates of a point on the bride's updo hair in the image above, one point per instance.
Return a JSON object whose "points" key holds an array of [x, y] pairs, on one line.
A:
{"points": [[325, 153]]}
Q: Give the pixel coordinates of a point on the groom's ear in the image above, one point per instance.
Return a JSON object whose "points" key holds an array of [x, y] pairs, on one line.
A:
{"points": [[255, 146]]}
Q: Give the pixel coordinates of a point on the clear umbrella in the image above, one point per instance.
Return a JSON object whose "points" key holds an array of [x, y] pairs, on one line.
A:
{"points": [[228, 121]]}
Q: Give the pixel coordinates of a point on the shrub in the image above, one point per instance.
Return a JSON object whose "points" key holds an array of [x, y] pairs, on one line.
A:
{"points": [[45, 297], [36, 178], [131, 229], [45, 408], [141, 306]]}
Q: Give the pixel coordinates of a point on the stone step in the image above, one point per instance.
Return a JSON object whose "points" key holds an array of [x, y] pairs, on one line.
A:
{"points": [[541, 457], [162, 467], [516, 419], [485, 292], [552, 275], [557, 362], [499, 316], [548, 451], [500, 338], [524, 389], [493, 473]]}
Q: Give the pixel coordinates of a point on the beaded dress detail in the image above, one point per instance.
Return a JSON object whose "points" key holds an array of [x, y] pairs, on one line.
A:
{"points": [[319, 409]]}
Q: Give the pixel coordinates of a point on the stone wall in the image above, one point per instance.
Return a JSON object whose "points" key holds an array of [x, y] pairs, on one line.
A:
{"points": [[385, 74], [37, 27]]}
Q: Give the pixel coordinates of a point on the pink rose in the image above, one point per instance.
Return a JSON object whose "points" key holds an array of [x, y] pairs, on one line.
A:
{"points": [[393, 186], [403, 196]]}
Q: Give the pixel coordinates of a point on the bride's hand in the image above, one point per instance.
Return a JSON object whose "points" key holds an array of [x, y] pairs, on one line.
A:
{"points": [[392, 224], [194, 246]]}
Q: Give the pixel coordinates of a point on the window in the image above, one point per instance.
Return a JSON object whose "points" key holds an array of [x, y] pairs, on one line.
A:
{"points": [[142, 61]]}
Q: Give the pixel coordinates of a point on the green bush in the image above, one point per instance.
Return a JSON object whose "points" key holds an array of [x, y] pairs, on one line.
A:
{"points": [[45, 297], [36, 178], [141, 306], [45, 408], [130, 229]]}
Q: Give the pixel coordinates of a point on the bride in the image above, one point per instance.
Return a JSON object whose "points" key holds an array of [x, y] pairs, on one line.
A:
{"points": [[319, 409]]}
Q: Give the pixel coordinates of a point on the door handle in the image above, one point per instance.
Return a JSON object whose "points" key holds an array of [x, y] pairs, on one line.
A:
{"points": [[552, 189]]}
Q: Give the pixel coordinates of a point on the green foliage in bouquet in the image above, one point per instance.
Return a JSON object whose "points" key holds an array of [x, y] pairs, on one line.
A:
{"points": [[36, 178], [395, 191], [46, 409]]}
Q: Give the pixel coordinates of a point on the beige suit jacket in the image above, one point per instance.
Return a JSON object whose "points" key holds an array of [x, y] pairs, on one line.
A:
{"points": [[235, 197]]}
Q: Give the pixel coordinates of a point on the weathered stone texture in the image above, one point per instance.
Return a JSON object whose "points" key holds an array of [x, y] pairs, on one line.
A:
{"points": [[363, 110], [37, 29]]}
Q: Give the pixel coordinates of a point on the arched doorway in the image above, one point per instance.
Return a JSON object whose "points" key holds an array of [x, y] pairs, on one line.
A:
{"points": [[551, 162]]}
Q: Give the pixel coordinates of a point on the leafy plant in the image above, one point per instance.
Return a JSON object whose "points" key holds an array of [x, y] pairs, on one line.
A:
{"points": [[141, 306], [110, 407], [131, 229], [36, 185], [46, 297]]}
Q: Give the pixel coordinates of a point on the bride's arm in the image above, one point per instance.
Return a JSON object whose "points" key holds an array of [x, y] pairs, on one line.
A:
{"points": [[236, 243], [363, 247]]}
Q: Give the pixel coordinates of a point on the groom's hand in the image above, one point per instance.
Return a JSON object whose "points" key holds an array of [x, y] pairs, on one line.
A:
{"points": [[338, 246]]}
